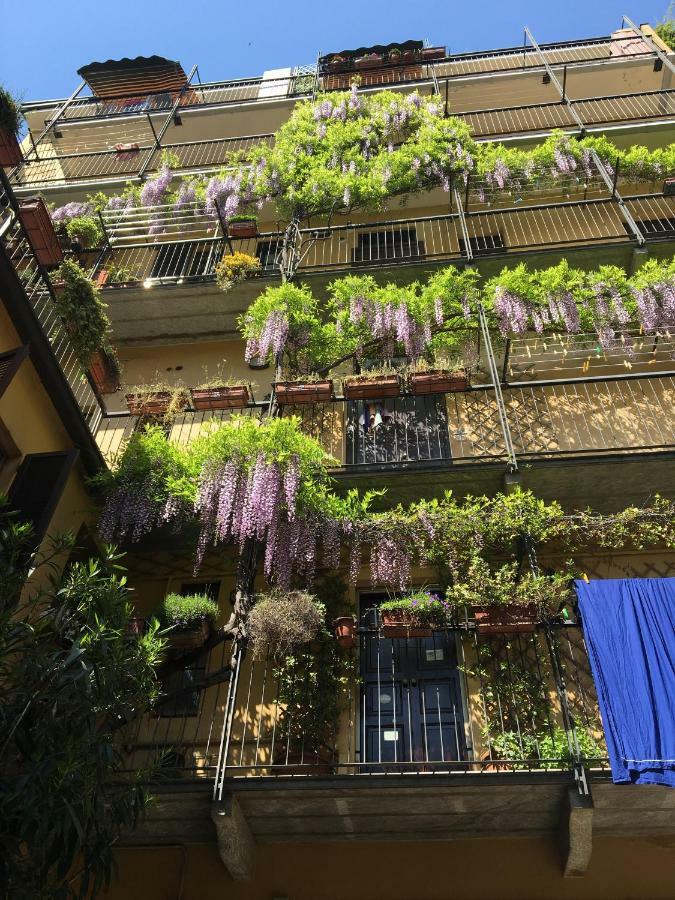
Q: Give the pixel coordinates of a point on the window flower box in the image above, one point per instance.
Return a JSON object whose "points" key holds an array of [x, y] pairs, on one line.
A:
{"points": [[220, 397], [293, 392], [505, 619], [38, 225], [190, 638], [402, 624], [242, 228], [431, 53], [10, 150], [104, 373], [437, 382], [153, 405], [345, 632], [371, 61], [337, 64], [376, 388]]}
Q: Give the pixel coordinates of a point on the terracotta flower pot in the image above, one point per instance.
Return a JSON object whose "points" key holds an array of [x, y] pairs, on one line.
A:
{"points": [[38, 224], [337, 64], [409, 56], [401, 624], [102, 277], [104, 373], [247, 229], [294, 392], [220, 397], [154, 405], [190, 638], [504, 619], [345, 632], [375, 388], [369, 62], [10, 151], [437, 382], [395, 57], [429, 53]]}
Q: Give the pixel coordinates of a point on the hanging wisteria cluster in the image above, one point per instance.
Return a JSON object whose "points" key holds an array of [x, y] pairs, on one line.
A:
{"points": [[392, 323]]}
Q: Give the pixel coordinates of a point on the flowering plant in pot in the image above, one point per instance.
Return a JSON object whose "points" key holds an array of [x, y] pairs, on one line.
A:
{"points": [[158, 398], [235, 268], [444, 376], [220, 392], [414, 615], [242, 226], [10, 123], [394, 56], [189, 619]]}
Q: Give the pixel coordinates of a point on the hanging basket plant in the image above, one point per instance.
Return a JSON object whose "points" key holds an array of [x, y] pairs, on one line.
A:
{"points": [[283, 621], [83, 313]]}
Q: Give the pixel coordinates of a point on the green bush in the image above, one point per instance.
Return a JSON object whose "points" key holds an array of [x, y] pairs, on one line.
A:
{"points": [[10, 114], [85, 229], [83, 313], [187, 612]]}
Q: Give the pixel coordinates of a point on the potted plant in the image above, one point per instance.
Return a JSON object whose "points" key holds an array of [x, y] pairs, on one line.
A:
{"points": [[10, 123], [84, 232], [431, 53], [157, 399], [441, 380], [395, 56], [345, 631], [242, 226], [369, 61], [37, 222], [371, 385], [414, 615], [220, 393], [336, 63], [282, 621], [234, 268], [83, 314], [189, 619], [309, 389], [500, 618], [105, 371], [409, 56]]}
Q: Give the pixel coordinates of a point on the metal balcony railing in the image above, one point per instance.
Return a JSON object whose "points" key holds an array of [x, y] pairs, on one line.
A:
{"points": [[38, 291], [457, 701], [577, 414], [54, 168]]}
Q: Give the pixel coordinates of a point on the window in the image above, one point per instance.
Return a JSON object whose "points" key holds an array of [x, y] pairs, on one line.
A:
{"points": [[9, 364], [38, 485], [184, 690], [396, 243], [482, 243]]}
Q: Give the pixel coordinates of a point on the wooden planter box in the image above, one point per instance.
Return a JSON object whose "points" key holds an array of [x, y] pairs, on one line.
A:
{"points": [[345, 632], [437, 382], [429, 53], [156, 405], [220, 397], [403, 625], [38, 224], [242, 229], [294, 392], [10, 150], [368, 62], [104, 373], [507, 619], [192, 638], [376, 388]]}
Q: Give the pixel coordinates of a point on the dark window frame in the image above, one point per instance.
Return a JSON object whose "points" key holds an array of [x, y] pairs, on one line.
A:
{"points": [[56, 491], [10, 361]]}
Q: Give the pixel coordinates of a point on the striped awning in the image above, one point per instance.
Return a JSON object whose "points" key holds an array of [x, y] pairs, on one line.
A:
{"points": [[133, 77]]}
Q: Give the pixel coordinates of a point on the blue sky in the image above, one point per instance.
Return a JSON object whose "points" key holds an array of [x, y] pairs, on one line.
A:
{"points": [[50, 39]]}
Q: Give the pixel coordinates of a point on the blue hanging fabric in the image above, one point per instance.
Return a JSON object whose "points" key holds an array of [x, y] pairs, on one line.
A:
{"points": [[629, 626]]}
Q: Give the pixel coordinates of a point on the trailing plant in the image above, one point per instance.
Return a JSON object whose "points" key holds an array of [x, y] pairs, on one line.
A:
{"points": [[505, 586], [281, 622], [185, 613], [423, 607], [10, 113], [82, 311], [234, 268]]}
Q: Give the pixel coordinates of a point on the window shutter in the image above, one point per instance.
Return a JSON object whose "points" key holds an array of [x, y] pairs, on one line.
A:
{"points": [[9, 363], [38, 485]]}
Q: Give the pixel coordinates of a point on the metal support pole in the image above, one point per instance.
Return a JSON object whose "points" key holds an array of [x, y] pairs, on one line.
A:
{"points": [[616, 196], [468, 252], [554, 81], [168, 121], [511, 461], [649, 42]]}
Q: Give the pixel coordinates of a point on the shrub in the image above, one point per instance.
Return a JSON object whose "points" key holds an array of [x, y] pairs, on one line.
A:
{"points": [[235, 268], [85, 229], [10, 114], [282, 621], [187, 612]]}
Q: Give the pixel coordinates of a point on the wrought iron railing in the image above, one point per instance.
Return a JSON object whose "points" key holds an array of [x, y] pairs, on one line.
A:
{"points": [[575, 415], [39, 293], [459, 700]]}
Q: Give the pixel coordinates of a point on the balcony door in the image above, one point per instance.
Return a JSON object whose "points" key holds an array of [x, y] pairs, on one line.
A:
{"points": [[411, 700], [405, 429]]}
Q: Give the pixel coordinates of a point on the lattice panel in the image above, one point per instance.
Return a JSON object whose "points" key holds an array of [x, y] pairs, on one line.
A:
{"points": [[532, 430]]}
